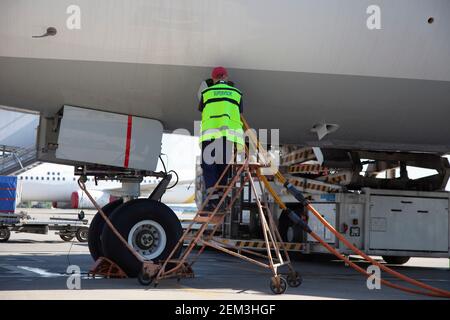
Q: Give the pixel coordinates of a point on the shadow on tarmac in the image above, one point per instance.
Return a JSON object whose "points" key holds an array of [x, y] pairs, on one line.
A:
{"points": [[323, 277]]}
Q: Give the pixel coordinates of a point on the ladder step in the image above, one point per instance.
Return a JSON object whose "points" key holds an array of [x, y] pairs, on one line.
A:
{"points": [[224, 187], [222, 212], [211, 219]]}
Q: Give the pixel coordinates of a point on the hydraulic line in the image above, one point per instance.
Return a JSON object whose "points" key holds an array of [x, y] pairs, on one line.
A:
{"points": [[364, 272], [435, 292], [299, 196], [303, 224]]}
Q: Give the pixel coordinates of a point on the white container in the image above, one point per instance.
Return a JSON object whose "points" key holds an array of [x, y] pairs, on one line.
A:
{"points": [[98, 137]]}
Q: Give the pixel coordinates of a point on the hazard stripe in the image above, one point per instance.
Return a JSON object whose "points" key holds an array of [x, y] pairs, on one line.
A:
{"points": [[128, 143], [7, 199], [258, 244], [300, 155], [319, 186], [307, 168], [7, 189]]}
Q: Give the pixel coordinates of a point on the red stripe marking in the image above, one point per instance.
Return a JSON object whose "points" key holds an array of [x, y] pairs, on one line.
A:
{"points": [[10, 189], [7, 211], [7, 199], [127, 148]]}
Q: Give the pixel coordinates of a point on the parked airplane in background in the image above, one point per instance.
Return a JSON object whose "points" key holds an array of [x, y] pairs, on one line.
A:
{"points": [[58, 184]]}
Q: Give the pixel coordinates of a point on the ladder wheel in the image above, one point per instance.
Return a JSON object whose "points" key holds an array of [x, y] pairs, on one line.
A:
{"points": [[278, 285], [144, 278], [294, 279]]}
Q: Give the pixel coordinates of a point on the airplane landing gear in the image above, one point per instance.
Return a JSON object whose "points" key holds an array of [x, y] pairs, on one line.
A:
{"points": [[96, 229], [145, 229], [150, 227]]}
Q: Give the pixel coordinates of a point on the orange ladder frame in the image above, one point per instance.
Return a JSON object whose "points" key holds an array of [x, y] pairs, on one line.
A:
{"points": [[181, 268]]}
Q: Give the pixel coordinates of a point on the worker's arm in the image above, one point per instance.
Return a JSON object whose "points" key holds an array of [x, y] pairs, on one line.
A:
{"points": [[241, 106], [200, 105]]}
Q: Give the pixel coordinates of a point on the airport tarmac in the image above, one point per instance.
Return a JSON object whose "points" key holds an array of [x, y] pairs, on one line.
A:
{"points": [[34, 267]]}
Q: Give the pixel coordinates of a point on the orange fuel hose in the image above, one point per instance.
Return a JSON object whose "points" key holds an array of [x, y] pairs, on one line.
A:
{"points": [[348, 244], [435, 292], [364, 272]]}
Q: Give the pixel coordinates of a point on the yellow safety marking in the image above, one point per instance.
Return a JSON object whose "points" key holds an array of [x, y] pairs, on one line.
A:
{"points": [[257, 244], [337, 178], [200, 292], [190, 199], [308, 184], [298, 156]]}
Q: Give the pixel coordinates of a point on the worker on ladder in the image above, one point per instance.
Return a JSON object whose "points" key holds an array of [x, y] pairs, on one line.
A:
{"points": [[221, 130]]}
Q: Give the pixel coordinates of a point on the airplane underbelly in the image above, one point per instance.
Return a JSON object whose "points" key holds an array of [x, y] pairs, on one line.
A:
{"points": [[328, 37], [299, 63]]}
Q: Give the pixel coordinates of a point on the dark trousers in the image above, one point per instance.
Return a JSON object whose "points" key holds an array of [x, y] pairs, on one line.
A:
{"points": [[216, 155]]}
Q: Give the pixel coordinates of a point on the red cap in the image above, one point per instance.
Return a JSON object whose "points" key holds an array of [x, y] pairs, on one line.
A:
{"points": [[219, 72]]}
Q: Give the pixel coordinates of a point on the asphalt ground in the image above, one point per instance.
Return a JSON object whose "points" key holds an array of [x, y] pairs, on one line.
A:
{"points": [[35, 267]]}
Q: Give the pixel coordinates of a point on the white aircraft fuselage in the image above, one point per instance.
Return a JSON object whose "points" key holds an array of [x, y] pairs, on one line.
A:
{"points": [[57, 183], [299, 63]]}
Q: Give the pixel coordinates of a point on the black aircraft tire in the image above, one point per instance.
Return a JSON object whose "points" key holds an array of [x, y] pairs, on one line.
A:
{"points": [[96, 229], [149, 226]]}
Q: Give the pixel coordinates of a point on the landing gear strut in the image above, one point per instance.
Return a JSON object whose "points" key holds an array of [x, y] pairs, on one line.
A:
{"points": [[150, 228]]}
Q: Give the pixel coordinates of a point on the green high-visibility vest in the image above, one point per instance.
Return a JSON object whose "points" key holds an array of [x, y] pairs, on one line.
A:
{"points": [[220, 115]]}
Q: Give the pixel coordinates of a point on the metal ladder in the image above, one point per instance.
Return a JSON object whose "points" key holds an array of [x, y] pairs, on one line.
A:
{"points": [[276, 257]]}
